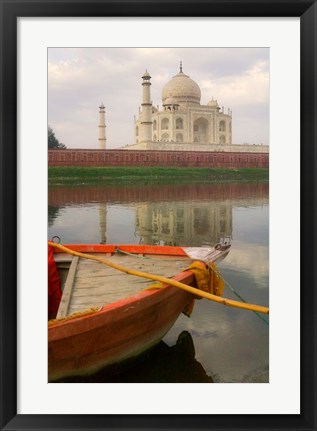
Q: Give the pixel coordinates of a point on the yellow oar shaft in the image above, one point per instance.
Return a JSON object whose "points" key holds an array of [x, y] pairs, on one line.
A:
{"points": [[193, 290]]}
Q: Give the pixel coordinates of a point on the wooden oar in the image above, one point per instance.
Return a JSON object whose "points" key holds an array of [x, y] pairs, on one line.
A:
{"points": [[193, 290]]}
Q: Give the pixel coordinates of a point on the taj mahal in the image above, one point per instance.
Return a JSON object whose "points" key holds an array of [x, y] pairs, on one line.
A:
{"points": [[183, 123]]}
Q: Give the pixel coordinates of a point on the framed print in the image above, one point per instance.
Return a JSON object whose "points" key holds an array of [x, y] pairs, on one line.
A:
{"points": [[287, 30]]}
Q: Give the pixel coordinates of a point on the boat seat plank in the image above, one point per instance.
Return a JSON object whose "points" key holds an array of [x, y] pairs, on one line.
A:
{"points": [[62, 257], [68, 288]]}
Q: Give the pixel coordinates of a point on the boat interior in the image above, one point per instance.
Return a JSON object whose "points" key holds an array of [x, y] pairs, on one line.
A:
{"points": [[87, 283]]}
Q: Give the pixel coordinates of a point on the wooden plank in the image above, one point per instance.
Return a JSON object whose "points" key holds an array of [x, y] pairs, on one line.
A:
{"points": [[90, 293], [159, 268], [97, 284], [117, 282], [91, 290], [67, 293], [62, 257], [86, 302], [132, 260]]}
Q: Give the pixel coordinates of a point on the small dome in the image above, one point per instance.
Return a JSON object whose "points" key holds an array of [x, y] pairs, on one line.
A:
{"points": [[182, 89], [213, 103]]}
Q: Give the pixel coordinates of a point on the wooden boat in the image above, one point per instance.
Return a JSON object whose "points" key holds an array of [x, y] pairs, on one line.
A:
{"points": [[106, 316]]}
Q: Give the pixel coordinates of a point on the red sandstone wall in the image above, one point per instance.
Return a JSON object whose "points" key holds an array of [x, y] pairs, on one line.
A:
{"points": [[201, 159]]}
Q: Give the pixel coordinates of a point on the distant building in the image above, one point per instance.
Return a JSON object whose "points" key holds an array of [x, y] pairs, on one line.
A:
{"points": [[183, 124], [182, 119]]}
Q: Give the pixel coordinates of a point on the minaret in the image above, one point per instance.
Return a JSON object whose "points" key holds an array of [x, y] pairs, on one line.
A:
{"points": [[102, 127], [146, 114]]}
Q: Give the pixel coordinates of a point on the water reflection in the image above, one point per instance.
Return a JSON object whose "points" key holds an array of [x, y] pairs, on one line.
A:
{"points": [[246, 194], [53, 213], [171, 215], [231, 345], [196, 223]]}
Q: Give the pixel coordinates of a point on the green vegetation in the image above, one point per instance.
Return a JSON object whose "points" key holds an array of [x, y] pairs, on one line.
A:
{"points": [[53, 142], [151, 175]]}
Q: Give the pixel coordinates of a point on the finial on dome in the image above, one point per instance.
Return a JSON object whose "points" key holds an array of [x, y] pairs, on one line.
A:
{"points": [[181, 67]]}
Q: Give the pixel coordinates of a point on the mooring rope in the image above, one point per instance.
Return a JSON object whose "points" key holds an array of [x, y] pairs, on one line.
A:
{"points": [[118, 250]]}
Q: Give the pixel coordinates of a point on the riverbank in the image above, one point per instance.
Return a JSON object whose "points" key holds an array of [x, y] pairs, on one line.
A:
{"points": [[151, 175]]}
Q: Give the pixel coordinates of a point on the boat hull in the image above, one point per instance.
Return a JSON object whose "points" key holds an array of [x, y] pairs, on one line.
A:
{"points": [[117, 332]]}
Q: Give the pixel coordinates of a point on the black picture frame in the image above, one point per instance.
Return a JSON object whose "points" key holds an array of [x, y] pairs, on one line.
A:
{"points": [[10, 11]]}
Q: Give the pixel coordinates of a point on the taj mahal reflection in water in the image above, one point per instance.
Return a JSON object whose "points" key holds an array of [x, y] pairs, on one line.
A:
{"points": [[192, 215], [161, 224], [206, 223]]}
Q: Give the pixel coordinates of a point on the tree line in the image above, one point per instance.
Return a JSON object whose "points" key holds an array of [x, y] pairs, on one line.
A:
{"points": [[53, 142]]}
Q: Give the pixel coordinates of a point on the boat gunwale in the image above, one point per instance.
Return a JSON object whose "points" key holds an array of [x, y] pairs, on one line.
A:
{"points": [[130, 248]]}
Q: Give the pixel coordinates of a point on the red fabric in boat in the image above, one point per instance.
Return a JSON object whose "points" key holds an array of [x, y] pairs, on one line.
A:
{"points": [[54, 286]]}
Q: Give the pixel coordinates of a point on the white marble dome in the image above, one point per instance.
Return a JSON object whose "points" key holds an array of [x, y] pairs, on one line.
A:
{"points": [[182, 89], [170, 101]]}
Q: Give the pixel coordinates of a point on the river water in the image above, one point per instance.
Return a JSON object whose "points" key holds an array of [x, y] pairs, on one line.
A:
{"points": [[217, 343]]}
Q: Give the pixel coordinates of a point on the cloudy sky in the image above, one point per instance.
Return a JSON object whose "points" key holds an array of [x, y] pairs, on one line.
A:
{"points": [[79, 79]]}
